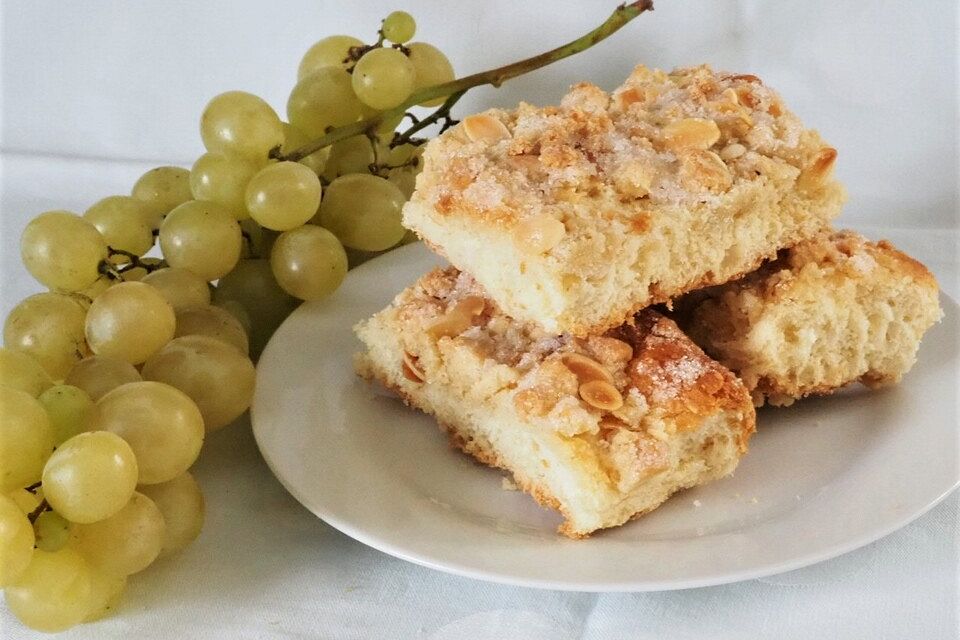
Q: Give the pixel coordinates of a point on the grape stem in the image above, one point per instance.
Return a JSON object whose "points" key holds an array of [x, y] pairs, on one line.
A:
{"points": [[454, 89], [43, 506], [109, 269]]}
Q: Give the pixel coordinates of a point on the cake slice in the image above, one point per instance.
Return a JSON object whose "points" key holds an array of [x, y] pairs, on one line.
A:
{"points": [[575, 217], [603, 428], [828, 312]]}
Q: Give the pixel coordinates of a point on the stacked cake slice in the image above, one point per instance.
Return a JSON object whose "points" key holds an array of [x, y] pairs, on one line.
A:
{"points": [[538, 350]]}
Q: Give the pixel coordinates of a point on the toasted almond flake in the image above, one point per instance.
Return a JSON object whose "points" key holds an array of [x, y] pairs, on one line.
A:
{"points": [[691, 133], [470, 306], [814, 175], [484, 127], [538, 234], [586, 369], [601, 395], [411, 368]]}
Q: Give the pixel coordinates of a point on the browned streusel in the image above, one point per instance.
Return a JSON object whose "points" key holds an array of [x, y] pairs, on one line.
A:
{"points": [[669, 139]]}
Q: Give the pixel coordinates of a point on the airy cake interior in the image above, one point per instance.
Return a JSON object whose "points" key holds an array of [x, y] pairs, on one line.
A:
{"points": [[828, 312]]}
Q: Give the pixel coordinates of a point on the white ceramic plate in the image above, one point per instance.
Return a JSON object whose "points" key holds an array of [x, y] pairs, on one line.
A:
{"points": [[822, 478]]}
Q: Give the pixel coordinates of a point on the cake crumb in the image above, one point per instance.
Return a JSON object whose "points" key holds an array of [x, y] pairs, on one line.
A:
{"points": [[508, 485], [697, 503], [754, 501]]}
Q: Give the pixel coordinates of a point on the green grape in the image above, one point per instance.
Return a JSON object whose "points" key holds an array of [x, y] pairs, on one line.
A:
{"points": [[363, 211], [62, 250], [163, 189], [309, 262], [139, 272], [48, 327], [124, 222], [258, 240], [383, 78], [19, 370], [350, 155], [240, 123], [26, 501], [181, 288], [332, 51], [294, 139], [238, 311], [181, 503], [53, 594], [26, 439], [16, 541], [222, 178], [405, 179], [283, 196], [431, 67], [98, 375], [161, 424], [130, 321], [106, 590], [126, 542], [90, 476], [399, 27], [52, 531], [253, 286], [70, 410], [215, 375], [213, 322], [202, 237], [100, 285], [321, 99]]}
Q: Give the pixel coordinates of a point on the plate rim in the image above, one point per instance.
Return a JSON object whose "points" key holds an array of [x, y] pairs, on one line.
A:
{"points": [[379, 543]]}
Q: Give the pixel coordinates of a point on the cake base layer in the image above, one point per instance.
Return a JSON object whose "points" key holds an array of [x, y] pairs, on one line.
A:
{"points": [[603, 430]]}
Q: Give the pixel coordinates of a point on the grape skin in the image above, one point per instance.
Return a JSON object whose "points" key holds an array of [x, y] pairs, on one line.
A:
{"points": [[26, 439], [180, 287], [201, 237], [162, 189], [62, 250], [125, 543], [308, 262], [331, 51], [182, 505], [321, 99], [98, 375], [129, 321], [215, 375], [162, 425], [283, 196], [363, 211], [16, 541], [50, 328], [70, 410], [53, 594], [90, 476], [383, 78], [214, 322]]}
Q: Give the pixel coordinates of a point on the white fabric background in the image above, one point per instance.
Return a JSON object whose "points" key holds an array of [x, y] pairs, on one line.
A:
{"points": [[95, 93]]}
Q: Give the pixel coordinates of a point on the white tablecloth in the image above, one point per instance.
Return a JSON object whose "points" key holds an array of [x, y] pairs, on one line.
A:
{"points": [[264, 567]]}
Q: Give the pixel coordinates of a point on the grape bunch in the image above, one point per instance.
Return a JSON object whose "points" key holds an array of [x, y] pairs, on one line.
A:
{"points": [[110, 379]]}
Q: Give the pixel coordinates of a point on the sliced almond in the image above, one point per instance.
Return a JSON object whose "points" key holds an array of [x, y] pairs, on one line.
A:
{"points": [[484, 127], [538, 234], [691, 133], [601, 395], [821, 168], [586, 369], [705, 169], [411, 368], [470, 306]]}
